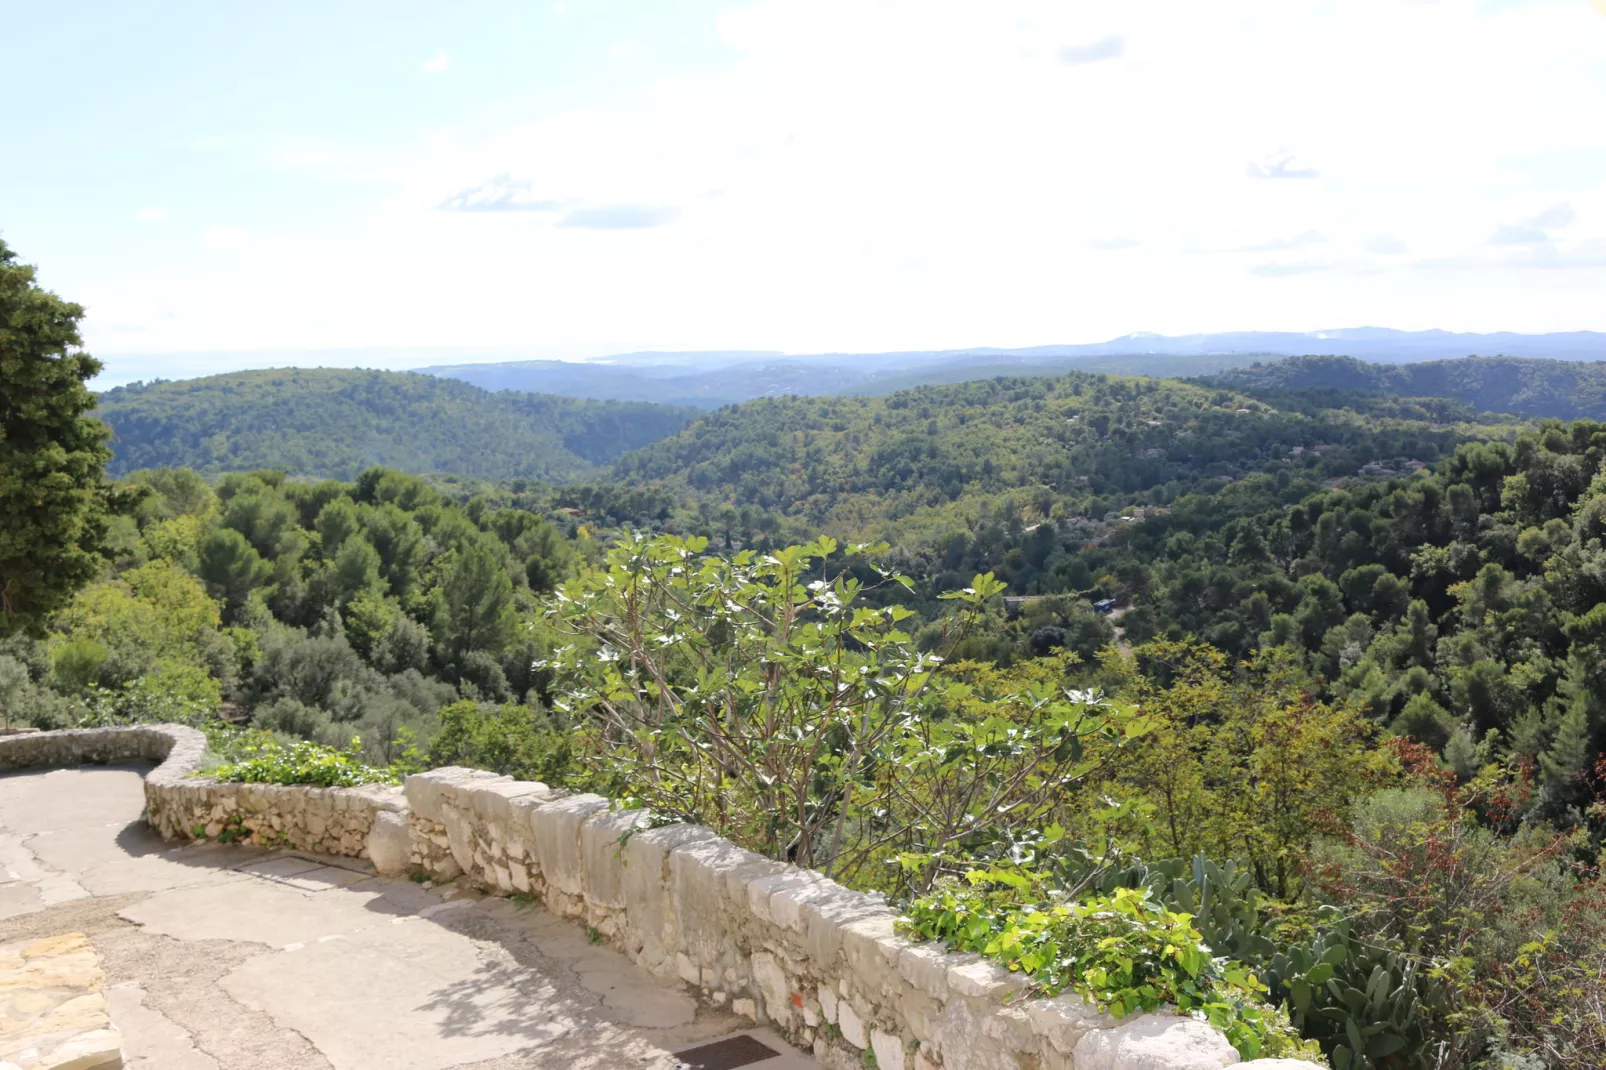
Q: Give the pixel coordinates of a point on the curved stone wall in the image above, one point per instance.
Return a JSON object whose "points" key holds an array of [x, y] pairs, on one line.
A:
{"points": [[775, 943], [178, 750]]}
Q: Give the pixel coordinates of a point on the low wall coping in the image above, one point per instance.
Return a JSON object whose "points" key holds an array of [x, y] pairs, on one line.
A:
{"points": [[779, 944]]}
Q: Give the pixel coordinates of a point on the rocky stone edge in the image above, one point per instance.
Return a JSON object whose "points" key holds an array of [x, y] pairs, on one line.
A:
{"points": [[777, 944], [53, 1012]]}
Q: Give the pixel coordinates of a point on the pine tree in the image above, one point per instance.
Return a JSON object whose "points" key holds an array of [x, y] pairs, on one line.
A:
{"points": [[54, 498]]}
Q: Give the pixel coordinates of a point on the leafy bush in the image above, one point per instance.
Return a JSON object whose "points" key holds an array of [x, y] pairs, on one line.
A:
{"points": [[1123, 952], [513, 740], [265, 760], [172, 693], [761, 696]]}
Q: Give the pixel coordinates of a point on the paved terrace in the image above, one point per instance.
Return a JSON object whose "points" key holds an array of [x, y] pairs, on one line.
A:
{"points": [[238, 958]]}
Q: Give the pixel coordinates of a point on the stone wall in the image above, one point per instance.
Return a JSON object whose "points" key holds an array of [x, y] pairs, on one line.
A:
{"points": [[777, 944]]}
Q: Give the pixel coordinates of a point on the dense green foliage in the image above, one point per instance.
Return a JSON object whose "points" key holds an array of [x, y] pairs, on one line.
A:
{"points": [[53, 494], [321, 610], [1081, 445], [1563, 389], [272, 762], [335, 422], [1123, 952], [1462, 607], [761, 696]]}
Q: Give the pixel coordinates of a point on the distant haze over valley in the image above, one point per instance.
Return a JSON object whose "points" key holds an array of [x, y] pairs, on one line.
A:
{"points": [[709, 379]]}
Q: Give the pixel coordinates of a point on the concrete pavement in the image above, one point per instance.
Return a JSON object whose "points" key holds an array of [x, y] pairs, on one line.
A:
{"points": [[233, 958]]}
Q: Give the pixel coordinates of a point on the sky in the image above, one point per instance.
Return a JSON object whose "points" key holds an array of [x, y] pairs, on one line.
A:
{"points": [[223, 185]]}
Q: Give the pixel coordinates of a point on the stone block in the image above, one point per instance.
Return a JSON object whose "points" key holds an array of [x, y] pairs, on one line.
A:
{"points": [[761, 892], [646, 892], [925, 966], [739, 877], [888, 1049], [773, 986], [828, 1003], [389, 844], [492, 800], [555, 832], [696, 883], [602, 843], [871, 949], [459, 837], [788, 901], [826, 911], [981, 979], [1064, 1019], [1154, 1042], [920, 1013], [424, 790], [852, 1025]]}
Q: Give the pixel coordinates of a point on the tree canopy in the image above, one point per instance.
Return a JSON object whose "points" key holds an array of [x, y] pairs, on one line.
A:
{"points": [[54, 499]]}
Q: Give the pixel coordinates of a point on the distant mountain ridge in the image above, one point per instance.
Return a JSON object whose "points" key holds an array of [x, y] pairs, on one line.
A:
{"points": [[712, 379], [1566, 390], [333, 422]]}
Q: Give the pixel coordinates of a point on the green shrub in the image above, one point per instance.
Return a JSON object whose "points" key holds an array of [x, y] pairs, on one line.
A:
{"points": [[1123, 952], [171, 693], [518, 741], [264, 760]]}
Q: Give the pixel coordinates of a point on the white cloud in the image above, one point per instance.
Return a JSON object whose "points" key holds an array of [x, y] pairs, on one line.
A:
{"points": [[224, 237], [1281, 164], [151, 215], [1535, 230], [619, 217], [934, 173], [1111, 47], [500, 194], [437, 64]]}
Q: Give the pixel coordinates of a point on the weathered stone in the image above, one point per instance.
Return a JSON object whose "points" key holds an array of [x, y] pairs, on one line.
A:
{"points": [[773, 985], [425, 790], [459, 836], [602, 840], [925, 966], [762, 891], [387, 844], [555, 831], [696, 880], [852, 1026], [828, 1003], [888, 1048], [982, 979], [1064, 1019], [101, 1049], [1154, 1042]]}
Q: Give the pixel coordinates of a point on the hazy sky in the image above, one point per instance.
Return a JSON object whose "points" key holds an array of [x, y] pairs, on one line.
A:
{"points": [[591, 176]]}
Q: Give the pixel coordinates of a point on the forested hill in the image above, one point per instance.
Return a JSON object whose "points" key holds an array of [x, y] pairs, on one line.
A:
{"points": [[336, 422], [1088, 443], [1563, 389]]}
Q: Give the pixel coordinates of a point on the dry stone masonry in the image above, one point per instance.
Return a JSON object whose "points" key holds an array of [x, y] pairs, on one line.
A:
{"points": [[53, 1012], [778, 944]]}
